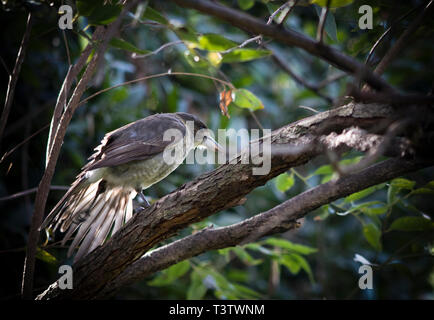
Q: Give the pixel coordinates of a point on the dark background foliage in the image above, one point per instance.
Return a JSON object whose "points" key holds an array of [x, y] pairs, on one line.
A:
{"points": [[403, 259]]}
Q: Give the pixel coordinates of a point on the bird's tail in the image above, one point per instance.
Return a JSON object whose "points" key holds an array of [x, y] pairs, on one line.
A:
{"points": [[95, 210]]}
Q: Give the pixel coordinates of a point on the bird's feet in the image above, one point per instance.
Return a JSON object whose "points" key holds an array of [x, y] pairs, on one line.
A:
{"points": [[141, 206]]}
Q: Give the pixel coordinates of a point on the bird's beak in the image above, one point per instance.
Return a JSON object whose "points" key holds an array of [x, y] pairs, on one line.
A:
{"points": [[213, 145]]}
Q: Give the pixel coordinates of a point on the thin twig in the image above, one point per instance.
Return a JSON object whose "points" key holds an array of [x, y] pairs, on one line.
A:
{"points": [[13, 78], [30, 191], [245, 43], [270, 19], [164, 46], [289, 10], [23, 142], [391, 98], [310, 109], [5, 66], [253, 25], [65, 40], [296, 77], [322, 21], [403, 40], [331, 79]]}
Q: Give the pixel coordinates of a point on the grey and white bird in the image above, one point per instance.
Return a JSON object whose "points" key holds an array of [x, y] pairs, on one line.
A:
{"points": [[128, 160]]}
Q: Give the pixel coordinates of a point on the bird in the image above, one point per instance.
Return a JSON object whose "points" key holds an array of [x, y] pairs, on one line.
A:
{"points": [[128, 160]]}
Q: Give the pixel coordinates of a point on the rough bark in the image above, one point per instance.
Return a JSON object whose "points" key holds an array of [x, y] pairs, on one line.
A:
{"points": [[214, 191]]}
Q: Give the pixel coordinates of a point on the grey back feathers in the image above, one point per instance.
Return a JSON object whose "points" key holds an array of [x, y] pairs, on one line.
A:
{"points": [[99, 201]]}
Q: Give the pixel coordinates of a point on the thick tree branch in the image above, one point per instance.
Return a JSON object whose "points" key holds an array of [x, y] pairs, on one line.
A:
{"points": [[225, 187], [280, 218], [253, 25]]}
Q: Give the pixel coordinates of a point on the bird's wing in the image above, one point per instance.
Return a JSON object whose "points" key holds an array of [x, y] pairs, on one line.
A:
{"points": [[139, 140]]}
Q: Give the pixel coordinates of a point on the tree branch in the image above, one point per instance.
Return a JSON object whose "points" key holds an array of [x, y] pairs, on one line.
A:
{"points": [[225, 187], [13, 78], [280, 218]]}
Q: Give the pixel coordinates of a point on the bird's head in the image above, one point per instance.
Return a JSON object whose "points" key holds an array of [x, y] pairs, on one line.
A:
{"points": [[202, 135]]}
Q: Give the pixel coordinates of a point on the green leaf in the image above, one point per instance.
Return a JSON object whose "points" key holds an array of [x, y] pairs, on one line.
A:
{"points": [[373, 236], [242, 55], [154, 15], [244, 292], [245, 256], [290, 263], [246, 4], [375, 210], [284, 182], [330, 24], [288, 245], [215, 42], [364, 193], [124, 45], [367, 207], [196, 290], [188, 36], [392, 192], [430, 184], [98, 12], [411, 224], [323, 170], [304, 265], [243, 98], [45, 256], [333, 3], [402, 183], [172, 273], [422, 190], [294, 262]]}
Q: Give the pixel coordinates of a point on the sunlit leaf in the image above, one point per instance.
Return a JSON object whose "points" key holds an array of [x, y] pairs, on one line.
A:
{"points": [[45, 256], [284, 182], [323, 170], [333, 3], [242, 55], [243, 98], [215, 42], [402, 183], [214, 57]]}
